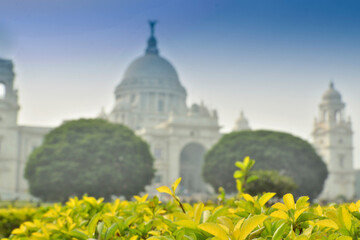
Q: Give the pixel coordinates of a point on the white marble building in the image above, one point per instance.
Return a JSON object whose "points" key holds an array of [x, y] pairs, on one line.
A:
{"points": [[16, 142], [333, 142]]}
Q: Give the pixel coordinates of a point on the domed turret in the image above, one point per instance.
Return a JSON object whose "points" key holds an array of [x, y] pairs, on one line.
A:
{"points": [[331, 94], [149, 90], [241, 123], [331, 106]]}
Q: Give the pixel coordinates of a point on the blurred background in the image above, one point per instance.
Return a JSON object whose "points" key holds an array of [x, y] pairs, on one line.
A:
{"points": [[271, 59]]}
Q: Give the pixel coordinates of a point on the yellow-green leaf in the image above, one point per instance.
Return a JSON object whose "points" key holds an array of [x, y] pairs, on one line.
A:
{"points": [[186, 223], [302, 202], [141, 199], [238, 224], [327, 223], [289, 201], [248, 197], [344, 238], [198, 209], [238, 174], [298, 213], [175, 184], [346, 218], [318, 210], [93, 223], [265, 198], [226, 222], [239, 164], [279, 206], [246, 161], [164, 189], [301, 238], [279, 214], [249, 225], [215, 230]]}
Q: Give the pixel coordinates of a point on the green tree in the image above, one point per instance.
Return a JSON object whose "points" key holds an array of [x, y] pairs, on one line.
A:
{"points": [[89, 156], [270, 181], [289, 155]]}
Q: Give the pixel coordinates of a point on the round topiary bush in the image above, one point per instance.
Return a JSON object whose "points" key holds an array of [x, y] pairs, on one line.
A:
{"points": [[289, 155], [89, 156]]}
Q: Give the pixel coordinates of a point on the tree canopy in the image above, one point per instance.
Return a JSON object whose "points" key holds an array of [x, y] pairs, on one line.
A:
{"points": [[89, 156], [289, 155]]}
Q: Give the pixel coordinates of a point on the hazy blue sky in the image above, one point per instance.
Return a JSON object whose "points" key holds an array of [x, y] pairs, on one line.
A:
{"points": [[271, 58]]}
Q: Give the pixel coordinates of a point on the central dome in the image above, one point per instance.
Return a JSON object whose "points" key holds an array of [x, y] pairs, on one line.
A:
{"points": [[151, 72], [151, 66]]}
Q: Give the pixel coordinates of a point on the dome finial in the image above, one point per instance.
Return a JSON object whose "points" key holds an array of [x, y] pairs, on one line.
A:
{"points": [[331, 83], [152, 24], [152, 43]]}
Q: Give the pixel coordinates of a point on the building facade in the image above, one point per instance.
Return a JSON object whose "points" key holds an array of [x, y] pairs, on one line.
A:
{"points": [[333, 142]]}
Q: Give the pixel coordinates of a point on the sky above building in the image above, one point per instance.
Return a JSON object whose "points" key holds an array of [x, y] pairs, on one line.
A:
{"points": [[272, 59]]}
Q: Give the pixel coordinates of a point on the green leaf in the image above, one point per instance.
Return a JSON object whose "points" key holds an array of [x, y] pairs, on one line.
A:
{"points": [[252, 178], [279, 232], [92, 224], [306, 216], [100, 228], [356, 214], [251, 164], [78, 234], [111, 231]]}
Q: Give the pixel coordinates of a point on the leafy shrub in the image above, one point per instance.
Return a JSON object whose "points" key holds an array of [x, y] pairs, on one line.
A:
{"points": [[245, 218], [89, 156], [272, 151]]}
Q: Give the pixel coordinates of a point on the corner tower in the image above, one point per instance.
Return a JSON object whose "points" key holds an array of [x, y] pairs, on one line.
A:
{"points": [[333, 141], [8, 98]]}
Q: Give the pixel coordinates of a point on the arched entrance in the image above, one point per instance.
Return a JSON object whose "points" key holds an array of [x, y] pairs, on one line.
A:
{"points": [[191, 163]]}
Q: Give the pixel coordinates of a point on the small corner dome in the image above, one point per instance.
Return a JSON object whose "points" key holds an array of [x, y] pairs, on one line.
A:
{"points": [[331, 94]]}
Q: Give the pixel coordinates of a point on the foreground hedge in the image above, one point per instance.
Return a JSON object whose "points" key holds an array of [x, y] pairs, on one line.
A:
{"points": [[244, 218], [11, 218]]}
